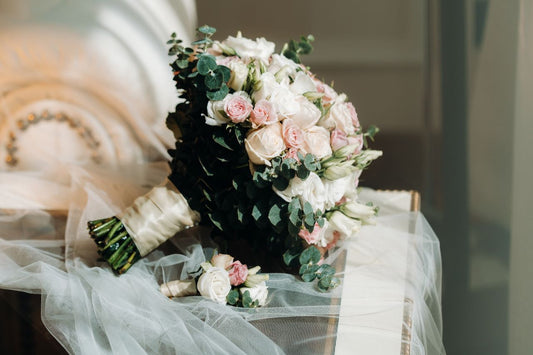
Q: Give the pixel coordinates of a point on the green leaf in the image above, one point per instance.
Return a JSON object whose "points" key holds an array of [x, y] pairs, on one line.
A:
{"points": [[293, 229], [291, 255], [217, 219], [309, 161], [225, 71], [206, 63], [182, 64], [280, 183], [325, 270], [233, 297], [206, 170], [259, 211], [247, 301], [308, 277], [202, 41], [213, 80], [218, 95], [295, 204], [275, 215], [221, 140], [294, 218], [309, 222], [207, 30], [308, 209], [302, 172], [310, 255], [328, 282], [308, 269]]}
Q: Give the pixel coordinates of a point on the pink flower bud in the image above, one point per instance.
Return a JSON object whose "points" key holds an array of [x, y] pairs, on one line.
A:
{"points": [[238, 273]]}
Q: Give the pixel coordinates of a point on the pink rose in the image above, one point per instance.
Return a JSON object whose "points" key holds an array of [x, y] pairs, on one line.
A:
{"points": [[313, 237], [329, 94], [338, 139], [238, 273], [263, 113], [353, 114], [356, 141], [293, 136], [238, 108]]}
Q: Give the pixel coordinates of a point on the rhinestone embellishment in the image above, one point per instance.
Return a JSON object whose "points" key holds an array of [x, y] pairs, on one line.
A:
{"points": [[33, 119]]}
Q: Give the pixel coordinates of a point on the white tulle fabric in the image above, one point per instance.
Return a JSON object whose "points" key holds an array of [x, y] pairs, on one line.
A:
{"points": [[390, 293]]}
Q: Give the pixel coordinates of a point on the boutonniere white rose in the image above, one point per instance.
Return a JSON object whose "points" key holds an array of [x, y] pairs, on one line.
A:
{"points": [[224, 281]]}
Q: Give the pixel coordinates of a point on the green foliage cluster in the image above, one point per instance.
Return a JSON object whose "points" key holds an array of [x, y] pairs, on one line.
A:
{"points": [[294, 49], [235, 298]]}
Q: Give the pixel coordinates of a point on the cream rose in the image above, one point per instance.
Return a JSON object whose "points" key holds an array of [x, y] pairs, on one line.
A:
{"points": [[316, 142], [302, 84], [247, 48], [258, 293], [341, 114], [306, 114], [280, 62], [239, 73], [264, 144], [214, 284]]}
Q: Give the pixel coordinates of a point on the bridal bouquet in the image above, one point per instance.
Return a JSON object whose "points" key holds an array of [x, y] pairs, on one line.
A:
{"points": [[266, 154]]}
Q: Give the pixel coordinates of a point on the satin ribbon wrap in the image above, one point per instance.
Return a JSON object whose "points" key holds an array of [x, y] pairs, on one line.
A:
{"points": [[179, 288], [158, 216]]}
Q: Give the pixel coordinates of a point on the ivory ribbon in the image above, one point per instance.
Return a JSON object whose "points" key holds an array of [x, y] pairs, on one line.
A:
{"points": [[158, 216], [179, 288]]}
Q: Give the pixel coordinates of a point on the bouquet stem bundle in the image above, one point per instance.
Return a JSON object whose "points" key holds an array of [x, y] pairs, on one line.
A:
{"points": [[114, 243]]}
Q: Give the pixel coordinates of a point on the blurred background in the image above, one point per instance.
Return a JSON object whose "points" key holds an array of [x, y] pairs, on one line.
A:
{"points": [[449, 83]]}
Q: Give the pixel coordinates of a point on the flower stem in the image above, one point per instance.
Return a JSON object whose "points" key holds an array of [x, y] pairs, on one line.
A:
{"points": [[114, 243]]}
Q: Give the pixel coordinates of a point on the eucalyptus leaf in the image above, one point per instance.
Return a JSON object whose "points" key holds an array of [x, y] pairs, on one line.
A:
{"points": [[275, 215], [310, 255], [206, 63], [233, 297]]}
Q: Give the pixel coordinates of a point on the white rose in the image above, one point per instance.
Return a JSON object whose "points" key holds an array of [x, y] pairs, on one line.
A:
{"points": [[307, 114], [215, 113], [239, 73], [354, 209], [214, 284], [367, 156], [337, 189], [264, 144], [258, 293], [247, 48], [316, 142], [309, 190], [343, 224], [302, 84], [279, 62], [267, 86]]}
